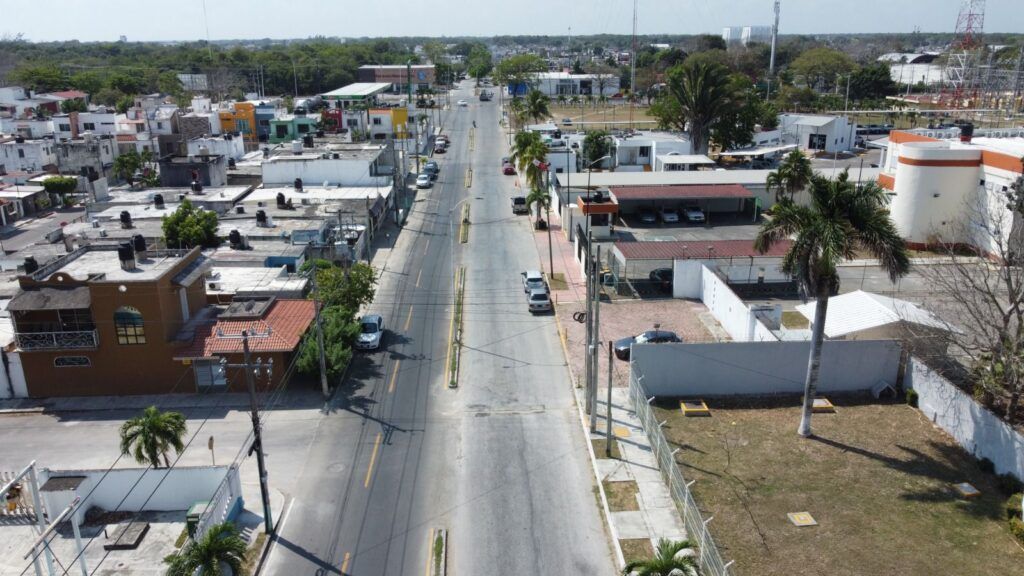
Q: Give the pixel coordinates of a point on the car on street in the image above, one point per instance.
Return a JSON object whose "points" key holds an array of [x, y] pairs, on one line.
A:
{"points": [[662, 277], [567, 121], [647, 216], [440, 148], [622, 345], [371, 332], [693, 214], [462, 103], [508, 169], [443, 138], [432, 168], [669, 215], [519, 205], [423, 180], [505, 160], [533, 280], [538, 300]]}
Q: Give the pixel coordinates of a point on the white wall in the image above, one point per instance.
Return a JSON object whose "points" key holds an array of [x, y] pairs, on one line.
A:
{"points": [[37, 153], [314, 171], [692, 279], [17, 372], [233, 148], [977, 430]]}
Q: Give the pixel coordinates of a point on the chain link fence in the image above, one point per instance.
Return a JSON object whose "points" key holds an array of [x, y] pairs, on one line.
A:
{"points": [[708, 558]]}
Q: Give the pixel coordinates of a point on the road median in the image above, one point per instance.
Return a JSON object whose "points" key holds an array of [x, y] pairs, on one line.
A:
{"points": [[455, 331]]}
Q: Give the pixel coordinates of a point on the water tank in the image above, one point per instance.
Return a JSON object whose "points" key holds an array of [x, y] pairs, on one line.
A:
{"points": [[139, 243], [126, 219], [298, 184], [296, 146], [231, 164], [197, 187], [234, 237], [280, 200], [204, 150], [307, 141], [261, 217], [31, 265], [158, 201], [239, 209], [126, 255], [966, 132]]}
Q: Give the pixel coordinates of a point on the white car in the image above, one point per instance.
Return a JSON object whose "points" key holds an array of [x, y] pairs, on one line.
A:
{"points": [[423, 181], [539, 301], [533, 280], [462, 103], [371, 332], [669, 215], [694, 214]]}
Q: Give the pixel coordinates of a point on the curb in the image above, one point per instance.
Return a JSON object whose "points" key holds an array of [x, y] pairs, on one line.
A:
{"points": [[269, 540]]}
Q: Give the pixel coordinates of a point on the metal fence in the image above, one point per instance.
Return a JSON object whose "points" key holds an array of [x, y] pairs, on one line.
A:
{"points": [[708, 558], [224, 503]]}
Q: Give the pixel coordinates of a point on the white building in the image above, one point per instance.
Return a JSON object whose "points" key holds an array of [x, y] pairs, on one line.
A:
{"points": [[563, 83], [636, 152], [101, 121], [19, 154], [26, 127], [830, 134], [336, 166], [227, 145], [746, 34], [951, 191]]}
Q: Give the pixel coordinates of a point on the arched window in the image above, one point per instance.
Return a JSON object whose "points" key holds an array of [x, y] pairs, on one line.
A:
{"points": [[128, 324]]}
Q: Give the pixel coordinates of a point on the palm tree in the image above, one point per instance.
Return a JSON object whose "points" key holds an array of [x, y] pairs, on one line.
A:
{"points": [[536, 104], [219, 548], [516, 110], [540, 198], [793, 175], [561, 99], [704, 94], [842, 218], [665, 560], [528, 151], [151, 435]]}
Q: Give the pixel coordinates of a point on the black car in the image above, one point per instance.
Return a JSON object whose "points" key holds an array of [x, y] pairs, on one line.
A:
{"points": [[622, 345], [432, 168], [663, 277]]}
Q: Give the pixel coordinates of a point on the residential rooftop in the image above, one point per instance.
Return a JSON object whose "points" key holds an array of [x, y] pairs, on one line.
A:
{"points": [[232, 280], [744, 177], [317, 195], [101, 264]]}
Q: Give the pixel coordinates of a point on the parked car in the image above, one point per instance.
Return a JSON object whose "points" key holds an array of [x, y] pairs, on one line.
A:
{"points": [[567, 121], [663, 276], [694, 214], [371, 332], [440, 148], [622, 345], [432, 168], [647, 216], [443, 138], [508, 170], [462, 103], [505, 160], [423, 180], [533, 280], [669, 215], [538, 301], [519, 205]]}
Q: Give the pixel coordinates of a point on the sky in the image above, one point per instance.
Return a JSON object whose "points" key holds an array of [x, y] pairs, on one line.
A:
{"points": [[142, 20]]}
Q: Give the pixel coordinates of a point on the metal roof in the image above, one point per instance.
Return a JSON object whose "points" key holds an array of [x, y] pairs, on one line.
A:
{"points": [[744, 177], [859, 310], [685, 159], [680, 192], [697, 250], [357, 91]]}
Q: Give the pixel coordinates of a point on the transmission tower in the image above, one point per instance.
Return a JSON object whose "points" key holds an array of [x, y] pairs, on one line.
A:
{"points": [[964, 61]]}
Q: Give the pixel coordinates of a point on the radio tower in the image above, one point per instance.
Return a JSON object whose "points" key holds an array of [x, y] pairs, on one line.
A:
{"points": [[962, 65]]}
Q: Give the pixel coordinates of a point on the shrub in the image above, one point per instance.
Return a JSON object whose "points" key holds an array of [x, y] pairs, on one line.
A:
{"points": [[1012, 507], [1017, 529], [1008, 484], [986, 466], [912, 397]]}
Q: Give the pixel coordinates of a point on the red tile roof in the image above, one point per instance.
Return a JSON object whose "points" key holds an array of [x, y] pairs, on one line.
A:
{"points": [[69, 94], [680, 192], [287, 321], [696, 249]]}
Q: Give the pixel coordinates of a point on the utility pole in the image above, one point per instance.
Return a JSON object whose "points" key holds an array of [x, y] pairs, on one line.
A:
{"points": [[608, 407], [632, 69], [595, 335], [589, 322], [324, 387]]}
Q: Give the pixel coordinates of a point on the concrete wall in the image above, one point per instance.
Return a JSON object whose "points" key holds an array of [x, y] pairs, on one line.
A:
{"points": [[158, 490], [977, 430], [692, 279], [759, 368], [318, 170]]}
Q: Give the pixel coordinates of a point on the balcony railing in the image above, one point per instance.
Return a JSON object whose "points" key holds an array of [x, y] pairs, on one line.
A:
{"points": [[56, 340]]}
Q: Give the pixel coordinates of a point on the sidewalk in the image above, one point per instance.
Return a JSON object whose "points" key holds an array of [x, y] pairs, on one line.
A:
{"points": [[562, 252], [296, 398]]}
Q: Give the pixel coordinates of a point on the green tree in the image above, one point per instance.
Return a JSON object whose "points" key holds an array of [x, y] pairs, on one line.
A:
{"points": [[872, 81], [127, 165], [60, 185], [340, 331], [793, 175], [88, 82], [220, 547], [169, 83], [130, 83], [479, 62], [699, 97], [841, 219], [819, 67], [189, 226], [38, 77], [349, 289], [665, 561], [596, 145], [528, 151], [73, 105], [519, 70], [540, 199], [535, 105], [148, 437]]}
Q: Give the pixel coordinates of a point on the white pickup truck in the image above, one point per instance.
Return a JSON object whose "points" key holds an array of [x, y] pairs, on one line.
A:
{"points": [[519, 205]]}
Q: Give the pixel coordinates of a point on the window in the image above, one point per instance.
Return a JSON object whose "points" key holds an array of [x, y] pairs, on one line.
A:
{"points": [[376, 121], [65, 127], [645, 151], [353, 123], [129, 326], [159, 125], [242, 126], [71, 362], [21, 153], [303, 128], [88, 125]]}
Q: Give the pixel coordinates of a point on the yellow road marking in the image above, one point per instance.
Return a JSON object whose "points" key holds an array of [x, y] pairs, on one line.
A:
{"points": [[430, 551], [344, 563], [408, 319], [373, 459], [394, 375], [418, 275]]}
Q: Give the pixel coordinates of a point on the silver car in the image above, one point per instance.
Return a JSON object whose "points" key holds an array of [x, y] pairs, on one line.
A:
{"points": [[539, 300], [371, 332], [533, 280]]}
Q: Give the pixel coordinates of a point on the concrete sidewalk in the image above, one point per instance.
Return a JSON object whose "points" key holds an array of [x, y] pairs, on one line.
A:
{"points": [[565, 263], [295, 398]]}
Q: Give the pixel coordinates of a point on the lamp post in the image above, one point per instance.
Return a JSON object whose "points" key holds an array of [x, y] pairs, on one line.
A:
{"points": [[589, 166]]}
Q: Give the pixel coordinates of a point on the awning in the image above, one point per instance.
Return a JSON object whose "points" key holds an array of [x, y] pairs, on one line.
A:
{"points": [[51, 299]]}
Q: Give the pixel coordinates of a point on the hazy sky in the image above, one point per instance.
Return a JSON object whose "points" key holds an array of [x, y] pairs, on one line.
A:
{"points": [[183, 19]]}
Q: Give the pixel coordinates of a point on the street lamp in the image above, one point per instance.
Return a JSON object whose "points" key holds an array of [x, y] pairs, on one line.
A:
{"points": [[589, 166]]}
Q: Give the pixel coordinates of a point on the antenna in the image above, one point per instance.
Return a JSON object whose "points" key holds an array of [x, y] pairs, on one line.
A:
{"points": [[961, 75]]}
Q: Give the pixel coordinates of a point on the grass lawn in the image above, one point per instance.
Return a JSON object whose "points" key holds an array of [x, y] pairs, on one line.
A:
{"points": [[636, 549], [876, 477], [599, 446], [621, 495], [795, 320], [252, 555]]}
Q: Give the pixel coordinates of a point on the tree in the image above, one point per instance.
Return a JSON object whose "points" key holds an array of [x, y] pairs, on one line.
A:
{"points": [[127, 165], [668, 558], [340, 331], [842, 218], [872, 81], [539, 198], [528, 153], [60, 185], [190, 226], [38, 77], [820, 66], [73, 105], [349, 289], [603, 75], [519, 71], [535, 105], [596, 145], [88, 82], [149, 436], [793, 175], [698, 97], [479, 63], [219, 547]]}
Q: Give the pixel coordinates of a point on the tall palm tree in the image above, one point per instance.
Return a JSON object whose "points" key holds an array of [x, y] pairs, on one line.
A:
{"points": [[149, 436], [704, 94], [792, 176], [535, 105], [665, 560], [528, 150], [517, 110], [219, 548], [561, 99], [539, 198], [842, 218]]}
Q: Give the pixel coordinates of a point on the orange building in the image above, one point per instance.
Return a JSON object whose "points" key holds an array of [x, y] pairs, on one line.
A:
{"points": [[241, 117]]}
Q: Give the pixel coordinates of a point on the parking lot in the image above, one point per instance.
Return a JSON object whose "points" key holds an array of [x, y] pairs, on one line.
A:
{"points": [[629, 228]]}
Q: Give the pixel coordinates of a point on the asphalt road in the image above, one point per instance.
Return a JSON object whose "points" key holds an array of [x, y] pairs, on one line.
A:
{"points": [[500, 462]]}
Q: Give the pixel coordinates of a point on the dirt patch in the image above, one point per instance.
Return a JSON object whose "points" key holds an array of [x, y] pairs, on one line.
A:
{"points": [[599, 446], [634, 550], [795, 320], [621, 495]]}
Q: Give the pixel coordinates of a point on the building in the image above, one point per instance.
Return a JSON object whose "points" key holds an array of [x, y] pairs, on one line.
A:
{"points": [[28, 128], [333, 165], [387, 123], [952, 190], [182, 171], [89, 156], [291, 127], [556, 84], [264, 111], [747, 34], [399, 76], [829, 134], [20, 103], [347, 106], [101, 121], [18, 201], [201, 120], [240, 118], [107, 320], [24, 155], [230, 146], [637, 152]]}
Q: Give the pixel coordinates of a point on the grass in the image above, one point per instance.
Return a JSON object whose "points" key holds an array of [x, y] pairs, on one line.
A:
{"points": [[877, 478], [438, 552], [599, 445], [634, 550], [181, 538], [557, 281], [460, 288], [795, 320], [621, 495], [252, 555]]}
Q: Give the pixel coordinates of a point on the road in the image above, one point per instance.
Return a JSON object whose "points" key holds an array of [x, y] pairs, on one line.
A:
{"points": [[500, 462]]}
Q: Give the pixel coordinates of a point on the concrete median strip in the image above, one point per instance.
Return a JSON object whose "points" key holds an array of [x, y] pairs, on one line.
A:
{"points": [[464, 225], [469, 177], [455, 330], [437, 559]]}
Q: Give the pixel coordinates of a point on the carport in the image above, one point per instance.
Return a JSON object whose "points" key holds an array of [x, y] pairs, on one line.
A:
{"points": [[720, 199]]}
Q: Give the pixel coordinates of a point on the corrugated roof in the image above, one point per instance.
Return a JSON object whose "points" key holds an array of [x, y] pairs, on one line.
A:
{"points": [[859, 310], [287, 321], [680, 192], [696, 249]]}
